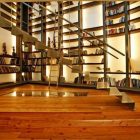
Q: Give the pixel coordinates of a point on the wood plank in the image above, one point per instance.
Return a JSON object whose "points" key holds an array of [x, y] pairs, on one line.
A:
{"points": [[97, 116]]}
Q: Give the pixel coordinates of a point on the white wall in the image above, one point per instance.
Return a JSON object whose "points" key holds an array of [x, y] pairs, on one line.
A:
{"points": [[10, 40]]}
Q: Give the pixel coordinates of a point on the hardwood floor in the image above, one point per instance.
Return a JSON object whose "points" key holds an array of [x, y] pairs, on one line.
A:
{"points": [[94, 117]]}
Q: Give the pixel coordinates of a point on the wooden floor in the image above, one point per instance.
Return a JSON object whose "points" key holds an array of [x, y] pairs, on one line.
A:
{"points": [[96, 117]]}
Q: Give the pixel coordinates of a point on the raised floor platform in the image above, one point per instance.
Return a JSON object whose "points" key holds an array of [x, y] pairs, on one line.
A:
{"points": [[95, 116]]}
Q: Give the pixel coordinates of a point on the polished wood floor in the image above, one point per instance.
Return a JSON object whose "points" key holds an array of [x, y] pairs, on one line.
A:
{"points": [[96, 117]]}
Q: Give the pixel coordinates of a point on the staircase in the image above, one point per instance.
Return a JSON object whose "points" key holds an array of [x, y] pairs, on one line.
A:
{"points": [[124, 98]]}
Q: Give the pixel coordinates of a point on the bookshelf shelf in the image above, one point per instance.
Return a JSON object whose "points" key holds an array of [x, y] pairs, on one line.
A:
{"points": [[9, 72], [9, 65], [86, 29], [84, 55], [76, 47], [89, 64]]}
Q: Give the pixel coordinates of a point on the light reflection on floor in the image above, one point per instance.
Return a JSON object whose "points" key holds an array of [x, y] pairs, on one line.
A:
{"points": [[45, 94]]}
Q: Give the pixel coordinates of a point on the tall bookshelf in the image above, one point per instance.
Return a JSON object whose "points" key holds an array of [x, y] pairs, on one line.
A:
{"points": [[125, 28]]}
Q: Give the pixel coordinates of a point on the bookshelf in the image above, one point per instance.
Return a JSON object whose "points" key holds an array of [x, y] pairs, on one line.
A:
{"points": [[31, 65], [127, 32]]}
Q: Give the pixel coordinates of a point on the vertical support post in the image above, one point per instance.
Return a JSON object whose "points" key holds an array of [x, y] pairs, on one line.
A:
{"points": [[43, 39], [29, 74], [19, 45], [60, 35], [80, 39], [127, 46], [42, 42], [105, 40], [19, 53]]}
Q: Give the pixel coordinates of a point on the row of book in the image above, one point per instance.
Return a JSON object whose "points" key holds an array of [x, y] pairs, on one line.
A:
{"points": [[28, 68], [110, 3], [115, 11], [14, 61], [135, 83], [111, 22], [35, 62], [2, 60], [78, 60], [120, 29], [31, 55], [5, 69], [29, 62], [99, 51]]}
